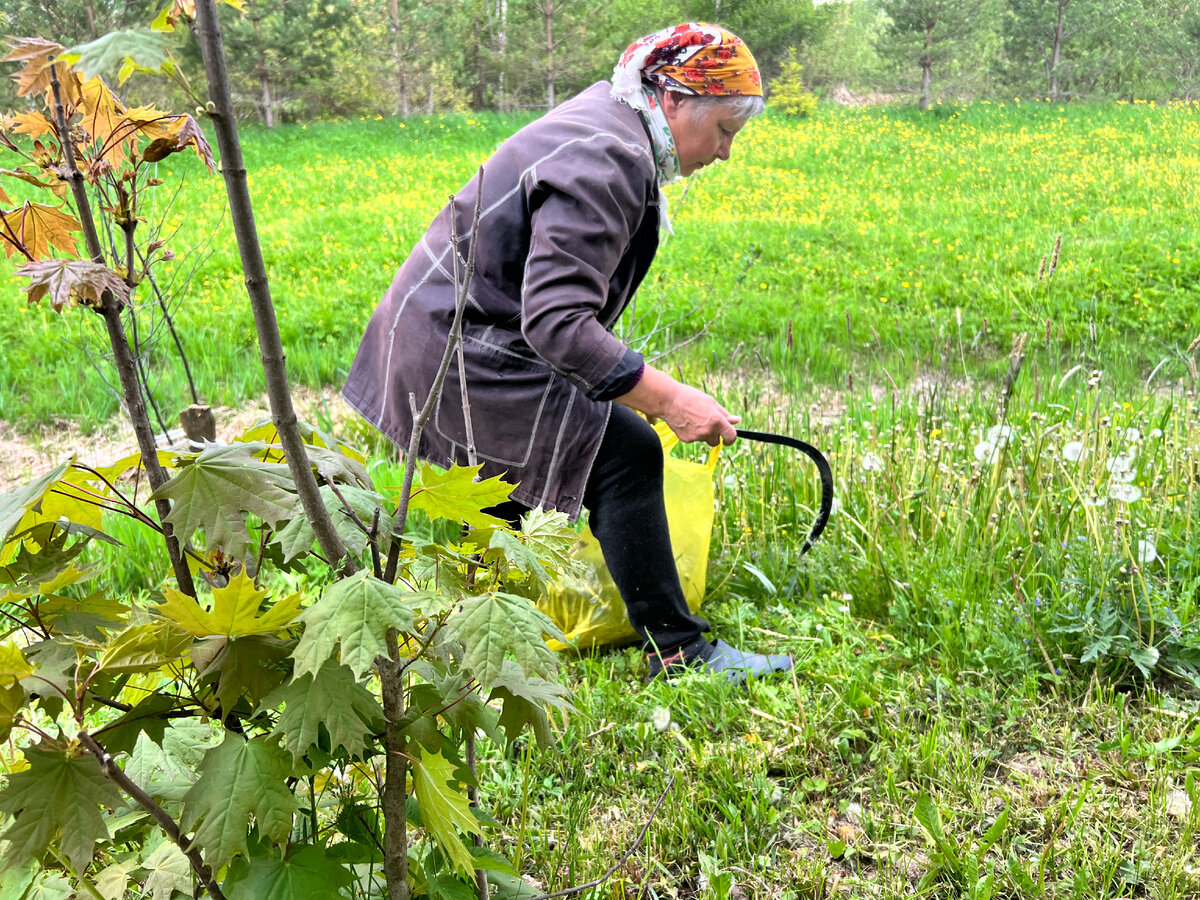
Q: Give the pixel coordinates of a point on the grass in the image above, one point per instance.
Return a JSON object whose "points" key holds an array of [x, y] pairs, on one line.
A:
{"points": [[859, 236], [942, 634], [996, 640]]}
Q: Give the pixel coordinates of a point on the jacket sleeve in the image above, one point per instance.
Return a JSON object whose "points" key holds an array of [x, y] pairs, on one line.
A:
{"points": [[586, 203]]}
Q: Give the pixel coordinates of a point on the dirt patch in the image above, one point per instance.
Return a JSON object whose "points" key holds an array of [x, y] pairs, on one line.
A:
{"points": [[24, 458]]}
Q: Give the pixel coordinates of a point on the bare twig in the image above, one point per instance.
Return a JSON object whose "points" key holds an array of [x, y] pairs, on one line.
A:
{"points": [[160, 815], [421, 417]]}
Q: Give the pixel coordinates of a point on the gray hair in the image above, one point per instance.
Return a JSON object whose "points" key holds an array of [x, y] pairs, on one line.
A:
{"points": [[737, 106]]}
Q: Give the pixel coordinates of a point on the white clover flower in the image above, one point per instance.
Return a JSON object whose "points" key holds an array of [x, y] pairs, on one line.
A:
{"points": [[1000, 435], [1132, 435], [987, 452], [1072, 451], [1121, 467], [1124, 493], [661, 718], [871, 462], [1146, 552]]}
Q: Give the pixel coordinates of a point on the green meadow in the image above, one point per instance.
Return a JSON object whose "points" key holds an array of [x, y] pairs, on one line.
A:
{"points": [[869, 240], [996, 641]]}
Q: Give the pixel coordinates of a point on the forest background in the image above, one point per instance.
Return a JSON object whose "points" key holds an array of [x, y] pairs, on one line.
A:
{"points": [[302, 60]]}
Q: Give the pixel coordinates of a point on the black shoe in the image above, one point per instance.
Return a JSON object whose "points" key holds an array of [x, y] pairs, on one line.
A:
{"points": [[717, 657]]}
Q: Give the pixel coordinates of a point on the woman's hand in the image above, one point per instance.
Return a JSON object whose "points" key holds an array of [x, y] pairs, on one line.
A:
{"points": [[692, 414]]}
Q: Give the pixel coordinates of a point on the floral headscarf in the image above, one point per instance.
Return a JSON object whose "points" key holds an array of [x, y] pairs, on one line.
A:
{"points": [[692, 58]]}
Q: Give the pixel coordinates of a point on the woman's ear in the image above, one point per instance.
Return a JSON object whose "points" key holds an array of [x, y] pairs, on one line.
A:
{"points": [[672, 103]]}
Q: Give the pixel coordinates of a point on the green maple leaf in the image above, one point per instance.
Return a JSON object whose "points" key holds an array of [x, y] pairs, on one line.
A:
{"points": [[12, 701], [149, 717], [525, 702], [307, 872], [142, 648], [147, 49], [169, 871], [213, 491], [253, 665], [457, 496], [234, 610], [331, 701], [444, 807], [497, 625], [297, 536], [357, 612], [239, 779], [22, 499], [16, 879], [519, 555], [169, 770], [58, 795], [549, 535]]}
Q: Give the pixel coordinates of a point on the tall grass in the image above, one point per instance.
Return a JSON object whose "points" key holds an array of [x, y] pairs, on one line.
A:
{"points": [[856, 238]]}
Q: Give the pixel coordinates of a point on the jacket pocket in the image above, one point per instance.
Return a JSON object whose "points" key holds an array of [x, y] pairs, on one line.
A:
{"points": [[507, 393]]}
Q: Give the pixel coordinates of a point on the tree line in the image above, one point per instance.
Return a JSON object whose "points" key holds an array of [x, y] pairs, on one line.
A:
{"points": [[310, 59]]}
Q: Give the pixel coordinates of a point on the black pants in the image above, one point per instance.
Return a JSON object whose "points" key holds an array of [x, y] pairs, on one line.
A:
{"points": [[627, 514]]}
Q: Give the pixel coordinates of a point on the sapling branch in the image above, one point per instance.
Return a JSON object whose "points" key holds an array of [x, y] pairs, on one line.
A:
{"points": [[110, 309], [421, 417], [233, 169], [160, 815]]}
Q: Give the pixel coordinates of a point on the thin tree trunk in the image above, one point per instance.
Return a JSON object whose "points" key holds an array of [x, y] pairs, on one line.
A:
{"points": [[1056, 50], [110, 309], [395, 779], [208, 33], [548, 11], [398, 57]]}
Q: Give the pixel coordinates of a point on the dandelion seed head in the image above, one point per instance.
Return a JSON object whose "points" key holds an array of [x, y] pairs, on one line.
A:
{"points": [[1124, 493], [1000, 435], [986, 452], [1072, 451], [1146, 552], [872, 463]]}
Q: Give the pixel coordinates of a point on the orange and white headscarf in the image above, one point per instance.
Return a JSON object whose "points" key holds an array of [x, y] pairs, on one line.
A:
{"points": [[692, 58]]}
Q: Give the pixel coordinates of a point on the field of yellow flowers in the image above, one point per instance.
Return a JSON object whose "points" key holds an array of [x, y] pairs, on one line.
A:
{"points": [[870, 233]]}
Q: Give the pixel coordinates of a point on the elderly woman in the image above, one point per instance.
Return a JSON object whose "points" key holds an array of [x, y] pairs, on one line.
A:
{"points": [[571, 215]]}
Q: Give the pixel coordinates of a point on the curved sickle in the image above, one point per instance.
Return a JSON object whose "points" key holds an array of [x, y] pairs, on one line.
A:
{"points": [[822, 463]]}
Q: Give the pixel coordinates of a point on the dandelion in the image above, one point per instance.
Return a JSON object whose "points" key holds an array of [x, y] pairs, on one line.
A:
{"points": [[1072, 451], [1124, 493], [1146, 552], [1121, 468], [872, 463], [1132, 435], [1094, 500], [1000, 435], [661, 718], [987, 452]]}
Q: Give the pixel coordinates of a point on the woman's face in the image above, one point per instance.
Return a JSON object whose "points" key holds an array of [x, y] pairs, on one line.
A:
{"points": [[703, 130]]}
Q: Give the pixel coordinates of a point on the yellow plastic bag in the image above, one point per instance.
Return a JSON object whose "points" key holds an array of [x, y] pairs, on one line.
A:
{"points": [[589, 609]]}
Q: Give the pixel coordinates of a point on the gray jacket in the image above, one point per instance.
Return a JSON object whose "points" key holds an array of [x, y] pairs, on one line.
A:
{"points": [[568, 230]]}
